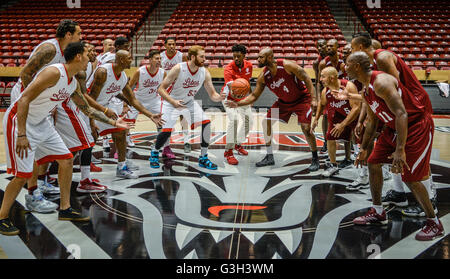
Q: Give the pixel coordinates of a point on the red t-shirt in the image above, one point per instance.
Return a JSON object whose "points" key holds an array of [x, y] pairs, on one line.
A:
{"points": [[233, 72]]}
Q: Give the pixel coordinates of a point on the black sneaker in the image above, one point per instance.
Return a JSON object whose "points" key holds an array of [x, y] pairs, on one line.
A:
{"points": [[417, 211], [315, 165], [345, 163], [7, 228], [71, 215], [324, 149], [395, 198], [267, 161]]}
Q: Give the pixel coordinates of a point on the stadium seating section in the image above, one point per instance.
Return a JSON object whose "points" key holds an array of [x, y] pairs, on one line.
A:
{"points": [[417, 30], [29, 22], [290, 27]]}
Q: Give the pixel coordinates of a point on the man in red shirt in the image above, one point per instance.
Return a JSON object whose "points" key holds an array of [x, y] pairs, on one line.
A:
{"points": [[241, 116]]}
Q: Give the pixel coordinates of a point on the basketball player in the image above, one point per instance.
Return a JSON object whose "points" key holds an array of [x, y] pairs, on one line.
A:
{"points": [[108, 46], [238, 119], [322, 49], [389, 62], [342, 115], [405, 142], [295, 93], [186, 79], [332, 59], [110, 81], [169, 58], [73, 127], [29, 135], [147, 80], [46, 53], [346, 51]]}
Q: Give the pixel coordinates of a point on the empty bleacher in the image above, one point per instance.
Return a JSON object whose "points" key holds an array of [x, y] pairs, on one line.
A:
{"points": [[290, 27], [419, 31]]}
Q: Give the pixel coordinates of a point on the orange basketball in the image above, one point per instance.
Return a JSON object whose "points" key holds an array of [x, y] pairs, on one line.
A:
{"points": [[240, 88]]}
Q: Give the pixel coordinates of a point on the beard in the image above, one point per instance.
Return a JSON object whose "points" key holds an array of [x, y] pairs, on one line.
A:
{"points": [[198, 64]]}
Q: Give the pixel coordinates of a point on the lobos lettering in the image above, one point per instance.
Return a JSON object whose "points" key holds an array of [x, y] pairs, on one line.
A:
{"points": [[189, 83], [150, 83], [277, 83], [112, 88], [338, 104], [60, 96]]}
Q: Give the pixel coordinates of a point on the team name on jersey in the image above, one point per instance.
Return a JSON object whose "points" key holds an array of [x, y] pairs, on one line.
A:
{"points": [[188, 83], [338, 104], [169, 66], [277, 83], [112, 88], [60, 96], [150, 83]]}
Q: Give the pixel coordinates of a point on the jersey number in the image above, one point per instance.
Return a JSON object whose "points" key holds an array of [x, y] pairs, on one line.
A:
{"points": [[192, 92], [386, 118], [285, 89]]}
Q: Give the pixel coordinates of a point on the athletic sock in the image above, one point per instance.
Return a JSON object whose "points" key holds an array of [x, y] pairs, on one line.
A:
{"points": [[85, 172], [378, 209], [397, 183], [204, 151], [269, 149], [314, 154], [120, 165], [427, 183]]}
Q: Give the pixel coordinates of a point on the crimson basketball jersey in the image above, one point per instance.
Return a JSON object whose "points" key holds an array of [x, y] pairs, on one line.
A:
{"points": [[334, 105], [408, 78], [413, 106], [328, 63], [286, 86]]}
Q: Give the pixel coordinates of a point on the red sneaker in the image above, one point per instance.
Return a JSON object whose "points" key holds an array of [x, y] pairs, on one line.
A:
{"points": [[94, 168], [230, 158], [240, 150], [88, 186], [167, 152], [371, 218], [430, 231]]}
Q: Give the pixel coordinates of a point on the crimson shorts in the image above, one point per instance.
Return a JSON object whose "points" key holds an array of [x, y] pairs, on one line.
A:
{"points": [[418, 148], [282, 112], [334, 119]]}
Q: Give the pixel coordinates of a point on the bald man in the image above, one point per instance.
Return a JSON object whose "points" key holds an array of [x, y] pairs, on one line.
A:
{"points": [[111, 81], [342, 115], [405, 142], [295, 92], [108, 46]]}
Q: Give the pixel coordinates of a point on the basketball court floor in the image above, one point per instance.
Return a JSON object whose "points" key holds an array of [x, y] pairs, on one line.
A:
{"points": [[182, 211]]}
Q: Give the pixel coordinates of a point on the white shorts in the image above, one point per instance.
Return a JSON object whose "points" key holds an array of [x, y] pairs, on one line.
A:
{"points": [[193, 113], [153, 105], [72, 127], [105, 129], [45, 142]]}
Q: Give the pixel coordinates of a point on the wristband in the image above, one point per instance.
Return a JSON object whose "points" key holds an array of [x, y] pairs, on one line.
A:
{"points": [[105, 110], [21, 136]]}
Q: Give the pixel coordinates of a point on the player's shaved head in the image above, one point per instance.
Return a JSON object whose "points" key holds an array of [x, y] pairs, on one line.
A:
{"points": [[265, 57], [121, 54], [360, 58], [376, 44], [332, 42], [107, 41], [330, 72], [266, 52]]}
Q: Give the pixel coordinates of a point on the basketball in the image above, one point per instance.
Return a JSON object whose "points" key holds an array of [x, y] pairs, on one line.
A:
{"points": [[240, 88]]}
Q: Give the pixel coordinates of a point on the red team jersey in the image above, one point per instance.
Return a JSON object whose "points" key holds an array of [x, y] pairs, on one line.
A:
{"points": [[409, 79], [341, 74], [293, 96], [419, 137], [233, 72]]}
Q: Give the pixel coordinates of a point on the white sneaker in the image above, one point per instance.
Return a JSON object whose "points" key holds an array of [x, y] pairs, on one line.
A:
{"points": [[37, 203], [131, 166], [362, 182], [47, 188], [330, 171], [126, 173], [105, 142], [130, 142], [95, 160], [386, 173]]}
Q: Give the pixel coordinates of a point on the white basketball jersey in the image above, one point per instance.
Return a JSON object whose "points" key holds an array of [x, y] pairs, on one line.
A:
{"points": [[112, 86], [59, 56], [107, 57], [187, 83], [167, 63], [41, 107], [147, 87], [89, 70]]}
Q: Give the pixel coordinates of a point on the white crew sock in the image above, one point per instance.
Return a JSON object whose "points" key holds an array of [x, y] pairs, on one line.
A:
{"points": [[120, 165], [269, 149], [397, 184], [204, 151], [378, 209], [85, 172]]}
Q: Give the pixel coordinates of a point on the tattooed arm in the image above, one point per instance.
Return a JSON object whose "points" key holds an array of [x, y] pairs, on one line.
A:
{"points": [[81, 102], [43, 55]]}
